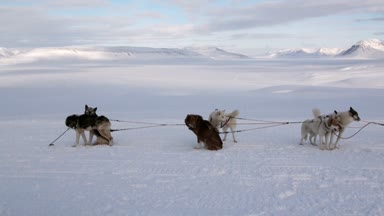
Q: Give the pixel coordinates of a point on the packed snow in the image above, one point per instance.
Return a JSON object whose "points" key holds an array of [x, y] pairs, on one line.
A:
{"points": [[157, 171]]}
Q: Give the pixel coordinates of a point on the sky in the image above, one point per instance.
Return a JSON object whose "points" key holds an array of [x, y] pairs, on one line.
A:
{"points": [[249, 27]]}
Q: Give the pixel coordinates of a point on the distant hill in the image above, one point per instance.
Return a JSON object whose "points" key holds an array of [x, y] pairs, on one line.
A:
{"points": [[214, 52], [94, 53]]}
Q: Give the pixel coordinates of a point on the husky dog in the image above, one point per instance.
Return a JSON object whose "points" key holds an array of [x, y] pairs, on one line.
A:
{"points": [[345, 119], [204, 131], [220, 119], [102, 130], [89, 121], [329, 124], [311, 127], [320, 125]]}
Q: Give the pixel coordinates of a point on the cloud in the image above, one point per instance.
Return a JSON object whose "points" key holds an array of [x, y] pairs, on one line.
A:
{"points": [[269, 13], [74, 22], [76, 3], [241, 36], [371, 19]]}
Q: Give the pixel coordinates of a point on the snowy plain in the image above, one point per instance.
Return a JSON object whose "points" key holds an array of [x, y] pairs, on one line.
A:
{"points": [[157, 171]]}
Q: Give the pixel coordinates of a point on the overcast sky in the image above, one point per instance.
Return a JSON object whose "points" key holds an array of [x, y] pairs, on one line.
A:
{"points": [[249, 27]]}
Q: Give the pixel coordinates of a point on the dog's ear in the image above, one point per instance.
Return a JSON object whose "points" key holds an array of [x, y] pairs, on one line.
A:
{"points": [[86, 106], [187, 118], [335, 112], [95, 109]]}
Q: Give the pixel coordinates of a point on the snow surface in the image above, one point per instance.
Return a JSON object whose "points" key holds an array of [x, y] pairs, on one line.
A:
{"points": [[157, 171]]}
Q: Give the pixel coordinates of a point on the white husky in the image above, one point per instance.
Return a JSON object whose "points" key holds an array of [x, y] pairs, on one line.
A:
{"points": [[220, 119], [311, 127]]}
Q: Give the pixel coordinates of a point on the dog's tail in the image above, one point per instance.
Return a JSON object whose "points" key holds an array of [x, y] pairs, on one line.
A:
{"points": [[233, 114], [316, 112]]}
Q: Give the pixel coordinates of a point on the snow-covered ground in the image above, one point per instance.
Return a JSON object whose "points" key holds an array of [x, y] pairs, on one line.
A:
{"points": [[156, 171]]}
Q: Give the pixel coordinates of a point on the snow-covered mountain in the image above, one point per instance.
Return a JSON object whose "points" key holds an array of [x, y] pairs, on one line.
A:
{"points": [[91, 53], [214, 52], [4, 52], [305, 52], [373, 48], [365, 49]]}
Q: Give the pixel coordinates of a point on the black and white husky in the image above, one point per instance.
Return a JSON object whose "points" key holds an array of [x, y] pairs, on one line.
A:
{"points": [[345, 118], [219, 119], [89, 121]]}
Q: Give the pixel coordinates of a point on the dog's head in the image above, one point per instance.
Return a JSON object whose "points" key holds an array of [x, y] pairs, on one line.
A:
{"points": [[354, 114], [219, 115], [192, 121], [90, 111]]}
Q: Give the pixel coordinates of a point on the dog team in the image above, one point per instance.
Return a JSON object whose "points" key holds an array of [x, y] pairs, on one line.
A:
{"points": [[324, 126], [207, 131]]}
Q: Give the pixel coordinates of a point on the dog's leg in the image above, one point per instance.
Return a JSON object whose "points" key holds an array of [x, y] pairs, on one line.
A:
{"points": [[91, 133], [321, 146], [338, 138], [105, 131], [105, 138], [304, 134], [302, 140], [82, 133], [312, 139], [77, 138], [225, 129], [233, 134], [327, 143], [198, 145], [331, 138]]}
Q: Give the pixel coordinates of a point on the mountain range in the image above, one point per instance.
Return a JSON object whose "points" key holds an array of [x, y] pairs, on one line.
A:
{"points": [[104, 53], [365, 49]]}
